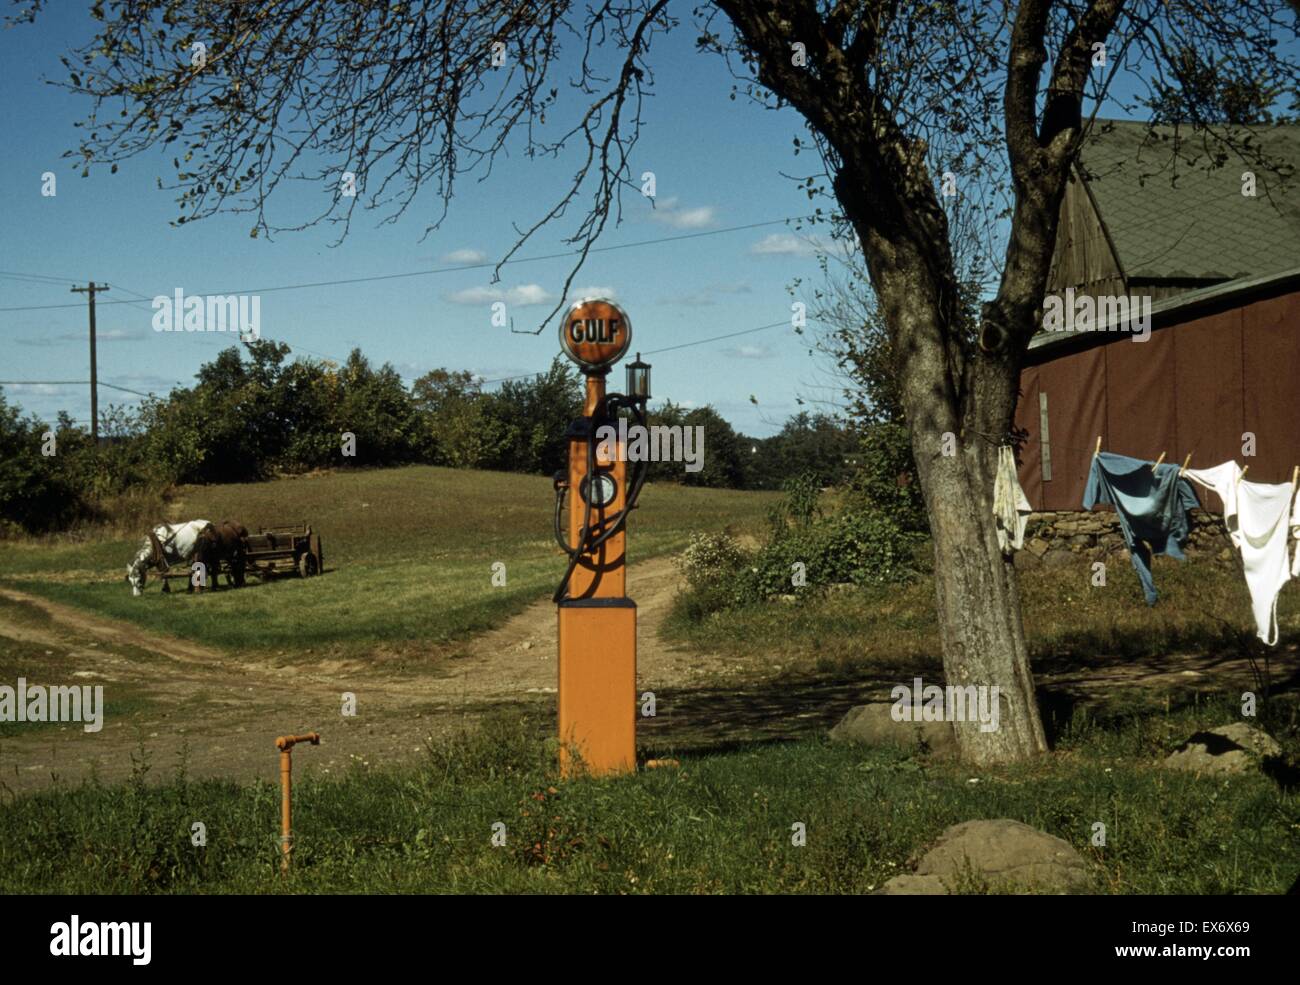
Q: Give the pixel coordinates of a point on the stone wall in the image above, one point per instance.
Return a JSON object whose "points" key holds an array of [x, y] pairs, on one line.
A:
{"points": [[1065, 536]]}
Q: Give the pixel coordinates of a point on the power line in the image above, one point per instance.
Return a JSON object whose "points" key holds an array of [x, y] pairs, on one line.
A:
{"points": [[670, 348], [111, 386], [718, 338], [502, 379], [458, 267], [35, 279]]}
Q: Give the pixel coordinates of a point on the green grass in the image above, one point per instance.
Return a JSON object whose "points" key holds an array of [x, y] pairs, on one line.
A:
{"points": [[1204, 606], [408, 558], [720, 824]]}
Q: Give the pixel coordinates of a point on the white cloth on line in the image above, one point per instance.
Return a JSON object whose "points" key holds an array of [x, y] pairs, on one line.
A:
{"points": [[1263, 519], [1222, 481], [1010, 507], [1258, 517], [1295, 532]]}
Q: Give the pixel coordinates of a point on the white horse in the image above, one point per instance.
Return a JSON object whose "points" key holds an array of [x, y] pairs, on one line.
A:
{"points": [[168, 544]]}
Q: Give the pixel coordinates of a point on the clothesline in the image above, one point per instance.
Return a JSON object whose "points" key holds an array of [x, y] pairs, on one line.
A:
{"points": [[1295, 472], [1091, 450], [1153, 507]]}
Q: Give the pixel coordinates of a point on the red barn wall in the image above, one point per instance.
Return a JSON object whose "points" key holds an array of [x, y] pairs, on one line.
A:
{"points": [[1193, 386]]}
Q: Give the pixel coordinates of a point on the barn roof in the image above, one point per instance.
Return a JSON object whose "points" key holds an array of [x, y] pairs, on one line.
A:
{"points": [[1172, 212], [1046, 346]]}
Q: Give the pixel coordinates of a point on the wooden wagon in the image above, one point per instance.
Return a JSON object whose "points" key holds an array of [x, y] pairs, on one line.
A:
{"points": [[284, 548]]}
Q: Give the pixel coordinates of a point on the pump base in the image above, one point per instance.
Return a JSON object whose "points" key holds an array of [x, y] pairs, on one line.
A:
{"points": [[597, 693]]}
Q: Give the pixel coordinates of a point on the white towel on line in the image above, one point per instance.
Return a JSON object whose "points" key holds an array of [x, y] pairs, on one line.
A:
{"points": [[1010, 507], [1295, 532], [1222, 481], [1258, 517], [1263, 519]]}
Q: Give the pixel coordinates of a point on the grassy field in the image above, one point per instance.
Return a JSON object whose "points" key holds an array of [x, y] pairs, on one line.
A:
{"points": [[408, 558], [721, 823], [1204, 607]]}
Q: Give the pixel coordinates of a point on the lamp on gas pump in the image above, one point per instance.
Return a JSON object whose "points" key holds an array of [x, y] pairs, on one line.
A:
{"points": [[597, 621], [638, 381]]}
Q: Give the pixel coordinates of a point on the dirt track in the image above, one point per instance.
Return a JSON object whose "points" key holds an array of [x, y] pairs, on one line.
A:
{"points": [[229, 712]]}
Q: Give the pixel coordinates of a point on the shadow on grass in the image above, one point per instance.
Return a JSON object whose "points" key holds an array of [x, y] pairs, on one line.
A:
{"points": [[719, 717]]}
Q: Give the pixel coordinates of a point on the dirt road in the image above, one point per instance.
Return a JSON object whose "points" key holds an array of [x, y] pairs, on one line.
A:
{"points": [[226, 712]]}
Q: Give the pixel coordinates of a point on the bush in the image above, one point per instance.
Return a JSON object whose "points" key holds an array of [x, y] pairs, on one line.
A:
{"points": [[864, 548], [855, 545], [718, 575], [885, 480]]}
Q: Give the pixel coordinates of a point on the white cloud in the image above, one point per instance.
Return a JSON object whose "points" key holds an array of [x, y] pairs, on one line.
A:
{"points": [[465, 256], [783, 244], [707, 295], [668, 212], [748, 352], [521, 297], [578, 293], [802, 245], [79, 338]]}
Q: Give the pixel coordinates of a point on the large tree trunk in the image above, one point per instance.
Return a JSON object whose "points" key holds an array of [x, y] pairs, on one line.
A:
{"points": [[948, 384], [977, 595], [959, 407]]}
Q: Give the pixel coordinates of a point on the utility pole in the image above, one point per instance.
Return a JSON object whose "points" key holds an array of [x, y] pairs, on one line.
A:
{"points": [[90, 290]]}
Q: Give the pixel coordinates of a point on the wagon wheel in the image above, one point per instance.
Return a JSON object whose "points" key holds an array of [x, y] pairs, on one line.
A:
{"points": [[306, 564], [317, 553]]}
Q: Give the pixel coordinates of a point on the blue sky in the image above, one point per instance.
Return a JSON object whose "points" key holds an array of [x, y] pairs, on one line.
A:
{"points": [[717, 165]]}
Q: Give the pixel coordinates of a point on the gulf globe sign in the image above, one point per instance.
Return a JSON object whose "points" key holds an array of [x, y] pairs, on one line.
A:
{"points": [[595, 334]]}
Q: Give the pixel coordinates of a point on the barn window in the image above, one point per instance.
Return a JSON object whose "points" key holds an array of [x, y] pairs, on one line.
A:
{"points": [[1044, 442]]}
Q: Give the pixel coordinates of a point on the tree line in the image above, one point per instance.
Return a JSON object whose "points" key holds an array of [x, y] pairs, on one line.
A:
{"points": [[253, 414]]}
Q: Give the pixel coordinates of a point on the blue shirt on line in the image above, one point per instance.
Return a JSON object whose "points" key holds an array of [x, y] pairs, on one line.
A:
{"points": [[1151, 505]]}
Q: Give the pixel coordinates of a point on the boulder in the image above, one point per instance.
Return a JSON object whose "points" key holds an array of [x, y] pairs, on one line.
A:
{"points": [[873, 725], [1059, 559], [1001, 855], [1234, 748]]}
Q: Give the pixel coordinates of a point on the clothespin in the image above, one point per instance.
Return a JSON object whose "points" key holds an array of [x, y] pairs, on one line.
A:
{"points": [[1098, 451], [1157, 462], [1295, 474], [1182, 469], [1242, 474]]}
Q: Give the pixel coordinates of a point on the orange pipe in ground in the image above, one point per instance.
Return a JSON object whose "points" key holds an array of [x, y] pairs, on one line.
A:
{"points": [[285, 744]]}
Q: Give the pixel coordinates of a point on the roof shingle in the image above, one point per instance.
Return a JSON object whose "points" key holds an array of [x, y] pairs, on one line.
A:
{"points": [[1173, 212]]}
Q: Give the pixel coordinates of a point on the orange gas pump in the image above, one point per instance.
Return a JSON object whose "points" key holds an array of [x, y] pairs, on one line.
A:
{"points": [[597, 621]]}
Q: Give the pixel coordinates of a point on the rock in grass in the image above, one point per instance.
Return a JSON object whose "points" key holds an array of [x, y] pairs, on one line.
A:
{"points": [[1234, 748], [1000, 856], [873, 725]]}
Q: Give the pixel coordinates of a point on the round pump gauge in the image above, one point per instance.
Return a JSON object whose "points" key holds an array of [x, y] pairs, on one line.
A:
{"points": [[598, 491]]}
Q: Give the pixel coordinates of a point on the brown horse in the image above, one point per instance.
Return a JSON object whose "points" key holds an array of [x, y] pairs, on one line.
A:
{"points": [[230, 547]]}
